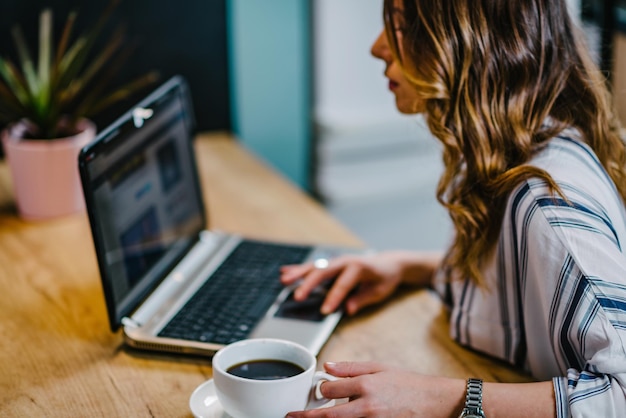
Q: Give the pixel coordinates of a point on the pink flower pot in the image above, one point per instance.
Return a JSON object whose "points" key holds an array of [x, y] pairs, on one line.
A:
{"points": [[45, 174]]}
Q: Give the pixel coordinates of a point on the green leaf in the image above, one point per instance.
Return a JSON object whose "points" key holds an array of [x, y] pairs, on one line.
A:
{"points": [[45, 53], [10, 101], [28, 69], [81, 49], [121, 93], [65, 37], [70, 64], [99, 61], [13, 80], [62, 46]]}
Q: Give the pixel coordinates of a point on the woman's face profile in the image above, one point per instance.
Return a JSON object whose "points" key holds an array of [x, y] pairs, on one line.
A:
{"points": [[407, 100]]}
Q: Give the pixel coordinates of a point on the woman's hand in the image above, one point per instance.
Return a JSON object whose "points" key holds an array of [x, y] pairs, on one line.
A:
{"points": [[376, 390], [372, 277]]}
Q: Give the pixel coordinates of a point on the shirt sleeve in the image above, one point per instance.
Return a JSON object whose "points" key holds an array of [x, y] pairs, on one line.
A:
{"points": [[597, 386], [603, 395], [588, 319], [577, 278]]}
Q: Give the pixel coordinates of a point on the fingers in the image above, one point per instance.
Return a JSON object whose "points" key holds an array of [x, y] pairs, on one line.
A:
{"points": [[343, 285], [346, 272], [291, 273], [343, 410], [352, 389], [310, 275], [367, 295], [353, 368]]}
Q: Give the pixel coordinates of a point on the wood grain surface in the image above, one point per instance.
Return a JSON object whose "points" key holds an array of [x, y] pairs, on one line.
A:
{"points": [[58, 357]]}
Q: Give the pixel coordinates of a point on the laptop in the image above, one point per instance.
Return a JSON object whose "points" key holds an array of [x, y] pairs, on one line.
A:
{"points": [[173, 284]]}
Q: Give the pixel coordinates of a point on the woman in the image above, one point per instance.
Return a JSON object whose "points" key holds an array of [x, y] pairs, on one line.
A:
{"points": [[534, 183]]}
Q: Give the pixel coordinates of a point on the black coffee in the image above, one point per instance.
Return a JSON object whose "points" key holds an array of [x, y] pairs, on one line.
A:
{"points": [[265, 369]]}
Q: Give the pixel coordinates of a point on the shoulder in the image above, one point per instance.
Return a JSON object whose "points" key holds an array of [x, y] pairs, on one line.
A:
{"points": [[588, 218], [585, 185], [573, 164]]}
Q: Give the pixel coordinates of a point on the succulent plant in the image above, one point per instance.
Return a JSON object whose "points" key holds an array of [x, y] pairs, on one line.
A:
{"points": [[70, 79]]}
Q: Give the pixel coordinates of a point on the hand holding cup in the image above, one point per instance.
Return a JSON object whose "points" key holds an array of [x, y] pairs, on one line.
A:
{"points": [[267, 378]]}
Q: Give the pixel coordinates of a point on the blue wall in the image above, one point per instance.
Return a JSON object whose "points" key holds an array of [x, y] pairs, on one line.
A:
{"points": [[270, 82]]}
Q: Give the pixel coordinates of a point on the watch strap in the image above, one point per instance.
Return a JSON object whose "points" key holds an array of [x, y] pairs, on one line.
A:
{"points": [[473, 399]]}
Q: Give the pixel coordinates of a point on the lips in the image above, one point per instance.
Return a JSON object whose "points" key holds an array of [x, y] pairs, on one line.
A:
{"points": [[393, 85]]}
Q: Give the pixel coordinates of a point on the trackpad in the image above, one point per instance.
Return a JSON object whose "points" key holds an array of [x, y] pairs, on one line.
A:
{"points": [[308, 309]]}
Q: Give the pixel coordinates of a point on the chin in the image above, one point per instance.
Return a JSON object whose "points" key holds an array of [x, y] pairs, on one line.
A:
{"points": [[411, 111], [409, 108]]}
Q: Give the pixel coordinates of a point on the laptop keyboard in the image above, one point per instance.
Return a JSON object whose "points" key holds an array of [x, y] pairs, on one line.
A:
{"points": [[229, 305]]}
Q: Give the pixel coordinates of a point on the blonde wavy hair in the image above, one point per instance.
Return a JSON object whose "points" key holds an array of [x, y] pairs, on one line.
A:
{"points": [[491, 72]]}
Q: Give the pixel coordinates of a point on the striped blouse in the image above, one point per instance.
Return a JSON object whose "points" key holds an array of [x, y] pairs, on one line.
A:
{"points": [[555, 304]]}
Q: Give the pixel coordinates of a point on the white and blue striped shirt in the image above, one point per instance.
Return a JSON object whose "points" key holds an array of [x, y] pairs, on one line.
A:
{"points": [[555, 304]]}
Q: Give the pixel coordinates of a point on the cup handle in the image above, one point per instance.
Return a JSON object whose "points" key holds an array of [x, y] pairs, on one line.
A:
{"points": [[316, 399]]}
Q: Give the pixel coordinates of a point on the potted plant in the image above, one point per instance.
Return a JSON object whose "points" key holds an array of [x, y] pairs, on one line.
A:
{"points": [[46, 107]]}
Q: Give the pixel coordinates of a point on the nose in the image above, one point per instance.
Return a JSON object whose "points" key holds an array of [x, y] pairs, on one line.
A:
{"points": [[380, 48]]}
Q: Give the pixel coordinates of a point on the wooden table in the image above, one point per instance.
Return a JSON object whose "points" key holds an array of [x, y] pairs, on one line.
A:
{"points": [[59, 359]]}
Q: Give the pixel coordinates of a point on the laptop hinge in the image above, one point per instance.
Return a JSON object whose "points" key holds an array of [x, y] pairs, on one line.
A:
{"points": [[129, 322]]}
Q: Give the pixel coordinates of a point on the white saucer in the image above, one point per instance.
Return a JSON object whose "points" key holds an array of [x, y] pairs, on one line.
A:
{"points": [[204, 403]]}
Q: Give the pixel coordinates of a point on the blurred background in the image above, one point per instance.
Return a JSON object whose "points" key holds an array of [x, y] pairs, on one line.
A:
{"points": [[293, 80]]}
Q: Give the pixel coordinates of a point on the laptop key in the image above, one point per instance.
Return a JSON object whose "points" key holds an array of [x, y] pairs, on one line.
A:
{"points": [[229, 305], [261, 305]]}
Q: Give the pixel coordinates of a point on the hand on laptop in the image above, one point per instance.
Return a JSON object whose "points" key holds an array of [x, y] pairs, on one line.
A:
{"points": [[361, 280]]}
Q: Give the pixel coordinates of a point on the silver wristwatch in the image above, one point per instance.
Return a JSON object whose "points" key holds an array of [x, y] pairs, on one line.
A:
{"points": [[473, 400]]}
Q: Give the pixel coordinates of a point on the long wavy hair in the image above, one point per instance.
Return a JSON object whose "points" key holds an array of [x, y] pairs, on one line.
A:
{"points": [[491, 73]]}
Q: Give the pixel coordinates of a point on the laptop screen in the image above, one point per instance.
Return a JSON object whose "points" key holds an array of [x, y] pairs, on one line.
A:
{"points": [[142, 196]]}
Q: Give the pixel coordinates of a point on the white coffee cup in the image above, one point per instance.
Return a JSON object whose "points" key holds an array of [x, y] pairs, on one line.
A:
{"points": [[243, 397]]}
